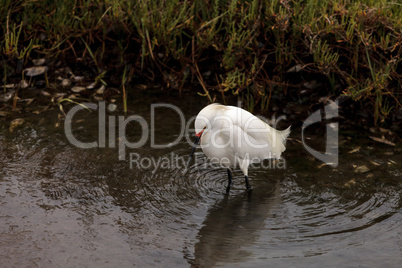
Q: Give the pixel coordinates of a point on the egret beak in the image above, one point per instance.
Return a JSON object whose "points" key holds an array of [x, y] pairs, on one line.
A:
{"points": [[197, 140]]}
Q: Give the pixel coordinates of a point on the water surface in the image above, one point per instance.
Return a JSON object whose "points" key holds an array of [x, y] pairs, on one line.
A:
{"points": [[69, 207]]}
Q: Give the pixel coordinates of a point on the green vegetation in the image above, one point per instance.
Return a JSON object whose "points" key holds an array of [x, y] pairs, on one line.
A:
{"points": [[247, 45]]}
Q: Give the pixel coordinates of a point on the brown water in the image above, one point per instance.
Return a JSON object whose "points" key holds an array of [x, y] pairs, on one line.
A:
{"points": [[62, 206]]}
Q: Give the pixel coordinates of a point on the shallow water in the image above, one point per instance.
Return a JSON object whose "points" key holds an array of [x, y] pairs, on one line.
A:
{"points": [[69, 207]]}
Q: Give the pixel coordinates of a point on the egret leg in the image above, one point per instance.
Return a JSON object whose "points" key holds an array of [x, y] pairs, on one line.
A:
{"points": [[229, 180], [247, 184]]}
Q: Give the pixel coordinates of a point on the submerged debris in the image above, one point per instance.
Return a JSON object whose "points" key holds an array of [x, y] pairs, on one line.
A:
{"points": [[77, 78], [35, 71], [294, 69], [5, 113], [41, 109], [38, 62], [362, 169], [91, 86], [65, 82], [24, 83], [7, 96], [354, 150], [101, 90], [10, 86], [77, 89], [15, 123], [350, 183], [382, 140]]}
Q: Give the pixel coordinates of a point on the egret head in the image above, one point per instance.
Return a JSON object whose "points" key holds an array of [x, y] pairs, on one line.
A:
{"points": [[203, 123], [205, 118], [200, 125]]}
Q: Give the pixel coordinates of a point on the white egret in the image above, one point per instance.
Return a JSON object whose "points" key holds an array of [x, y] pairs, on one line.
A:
{"points": [[232, 137]]}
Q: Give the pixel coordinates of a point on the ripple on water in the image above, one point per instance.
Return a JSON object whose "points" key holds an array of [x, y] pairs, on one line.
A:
{"points": [[311, 222], [164, 192], [91, 206], [287, 221], [325, 213]]}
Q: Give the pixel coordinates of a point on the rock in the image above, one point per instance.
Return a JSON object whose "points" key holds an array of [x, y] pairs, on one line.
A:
{"points": [[77, 89], [6, 96], [35, 71], [38, 62], [350, 183], [362, 169], [91, 86], [15, 123], [73, 96], [391, 162], [382, 140], [23, 83], [27, 101], [375, 162], [45, 93], [294, 69], [112, 107], [101, 90], [5, 113], [386, 131], [141, 86], [65, 82], [77, 78], [10, 86], [59, 94]]}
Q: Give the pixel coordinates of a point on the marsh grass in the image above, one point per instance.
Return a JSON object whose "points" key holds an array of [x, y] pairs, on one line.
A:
{"points": [[248, 45]]}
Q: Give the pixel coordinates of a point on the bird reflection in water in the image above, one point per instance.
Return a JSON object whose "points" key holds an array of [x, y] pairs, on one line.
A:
{"points": [[232, 225]]}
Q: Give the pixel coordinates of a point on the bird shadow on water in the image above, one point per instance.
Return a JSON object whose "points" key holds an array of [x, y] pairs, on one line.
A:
{"points": [[233, 224]]}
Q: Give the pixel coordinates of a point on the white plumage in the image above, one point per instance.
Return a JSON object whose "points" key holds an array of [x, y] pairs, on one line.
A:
{"points": [[232, 137]]}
